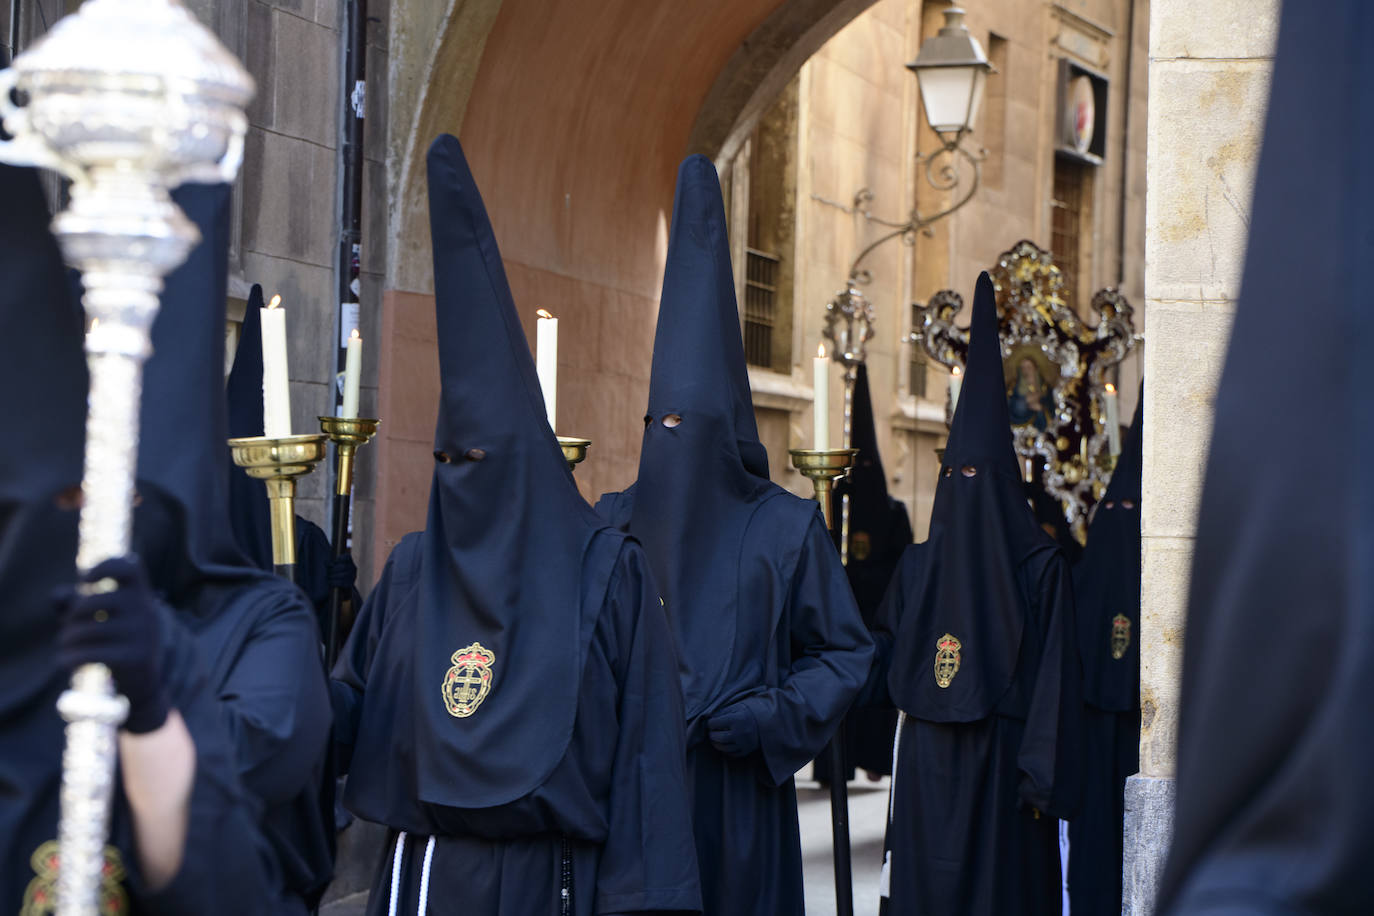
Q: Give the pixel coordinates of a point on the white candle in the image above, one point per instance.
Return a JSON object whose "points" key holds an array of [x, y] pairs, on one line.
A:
{"points": [[353, 376], [276, 385], [956, 384], [821, 387], [546, 362], [1113, 412]]}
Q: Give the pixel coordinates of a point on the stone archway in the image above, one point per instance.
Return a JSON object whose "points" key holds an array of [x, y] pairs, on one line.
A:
{"points": [[574, 117]]}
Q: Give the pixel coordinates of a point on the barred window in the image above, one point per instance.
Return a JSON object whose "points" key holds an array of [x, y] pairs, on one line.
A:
{"points": [[760, 307], [1066, 207], [916, 382]]}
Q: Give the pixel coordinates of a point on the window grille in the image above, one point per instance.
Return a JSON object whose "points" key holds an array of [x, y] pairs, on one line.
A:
{"points": [[760, 307]]}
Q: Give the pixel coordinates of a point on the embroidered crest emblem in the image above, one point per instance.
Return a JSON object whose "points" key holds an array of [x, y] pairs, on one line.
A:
{"points": [[946, 659], [40, 897], [860, 546], [468, 682], [1121, 635]]}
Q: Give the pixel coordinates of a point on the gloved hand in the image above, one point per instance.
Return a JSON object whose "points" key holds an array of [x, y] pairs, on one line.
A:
{"points": [[343, 572], [734, 731], [120, 629]]}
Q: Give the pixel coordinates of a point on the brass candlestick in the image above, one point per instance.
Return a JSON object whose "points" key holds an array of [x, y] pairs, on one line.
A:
{"points": [[824, 468], [347, 434], [279, 463], [574, 450]]}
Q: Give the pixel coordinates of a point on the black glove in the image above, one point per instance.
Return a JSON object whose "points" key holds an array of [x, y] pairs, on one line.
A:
{"points": [[120, 629], [734, 731], [343, 572]]}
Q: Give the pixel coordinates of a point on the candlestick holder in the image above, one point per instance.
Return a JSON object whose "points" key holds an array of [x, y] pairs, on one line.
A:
{"points": [[824, 467], [279, 463], [574, 450], [347, 434]]}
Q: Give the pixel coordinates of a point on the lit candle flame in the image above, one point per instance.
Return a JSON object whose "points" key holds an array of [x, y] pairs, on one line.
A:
{"points": [[820, 352], [956, 372], [544, 313], [354, 335], [275, 303], [1111, 389]]}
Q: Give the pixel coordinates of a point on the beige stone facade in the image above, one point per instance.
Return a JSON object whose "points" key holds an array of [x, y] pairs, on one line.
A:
{"points": [[858, 126]]}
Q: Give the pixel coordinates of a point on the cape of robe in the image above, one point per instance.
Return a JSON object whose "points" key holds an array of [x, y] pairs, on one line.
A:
{"points": [[801, 653], [226, 869], [973, 829], [615, 799]]}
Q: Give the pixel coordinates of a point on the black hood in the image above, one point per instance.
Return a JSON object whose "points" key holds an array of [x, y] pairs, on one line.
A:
{"points": [[1274, 734], [181, 525], [878, 528], [44, 368], [701, 480], [1106, 585], [502, 554], [981, 531], [248, 511]]}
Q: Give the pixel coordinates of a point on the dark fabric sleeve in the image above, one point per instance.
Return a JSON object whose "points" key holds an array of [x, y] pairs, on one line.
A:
{"points": [[887, 619], [313, 553], [228, 867], [348, 680], [1050, 758], [275, 704], [649, 862], [831, 653]]}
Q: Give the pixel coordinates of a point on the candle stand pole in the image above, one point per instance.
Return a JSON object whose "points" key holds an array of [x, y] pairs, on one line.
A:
{"points": [[279, 463], [824, 468], [574, 450], [348, 435]]}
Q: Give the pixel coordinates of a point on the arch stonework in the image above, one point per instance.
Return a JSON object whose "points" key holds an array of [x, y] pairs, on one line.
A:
{"points": [[574, 116]]}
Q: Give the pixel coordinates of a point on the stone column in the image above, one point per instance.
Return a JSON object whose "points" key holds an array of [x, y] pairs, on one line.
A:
{"points": [[1210, 62]]}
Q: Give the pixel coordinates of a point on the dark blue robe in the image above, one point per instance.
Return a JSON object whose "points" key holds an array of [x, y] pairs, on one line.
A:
{"points": [[614, 795], [226, 867], [1107, 593], [979, 645], [256, 633]]}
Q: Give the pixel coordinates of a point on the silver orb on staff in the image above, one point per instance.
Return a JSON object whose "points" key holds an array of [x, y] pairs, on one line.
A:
{"points": [[128, 99]]}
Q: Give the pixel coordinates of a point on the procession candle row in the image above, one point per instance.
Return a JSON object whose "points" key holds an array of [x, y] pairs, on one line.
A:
{"points": [[276, 376]]}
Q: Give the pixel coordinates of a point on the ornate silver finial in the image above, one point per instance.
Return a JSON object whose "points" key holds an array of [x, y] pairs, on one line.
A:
{"points": [[128, 99]]}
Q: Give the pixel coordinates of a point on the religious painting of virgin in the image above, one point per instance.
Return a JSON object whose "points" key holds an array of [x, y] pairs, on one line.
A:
{"points": [[1030, 396]]}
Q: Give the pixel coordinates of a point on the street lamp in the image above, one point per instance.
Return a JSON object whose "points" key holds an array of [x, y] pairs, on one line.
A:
{"points": [[952, 71]]}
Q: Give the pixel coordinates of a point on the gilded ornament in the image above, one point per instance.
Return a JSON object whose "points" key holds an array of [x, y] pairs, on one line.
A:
{"points": [[40, 897], [468, 682], [947, 659], [1121, 635]]}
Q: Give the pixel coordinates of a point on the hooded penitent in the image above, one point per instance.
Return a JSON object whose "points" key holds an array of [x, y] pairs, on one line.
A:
{"points": [[1275, 807], [248, 512], [769, 642], [256, 632], [702, 471], [984, 666], [981, 531], [508, 700], [43, 369], [1106, 584], [505, 539]]}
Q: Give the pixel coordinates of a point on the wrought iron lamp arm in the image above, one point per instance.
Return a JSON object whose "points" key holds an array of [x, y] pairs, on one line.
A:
{"points": [[945, 179]]}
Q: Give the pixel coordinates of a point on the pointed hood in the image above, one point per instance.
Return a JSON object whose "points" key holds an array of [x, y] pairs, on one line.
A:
{"points": [[181, 525], [248, 511], [699, 361], [504, 552], [44, 367], [1274, 729], [981, 532], [702, 471], [879, 529], [1107, 585]]}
